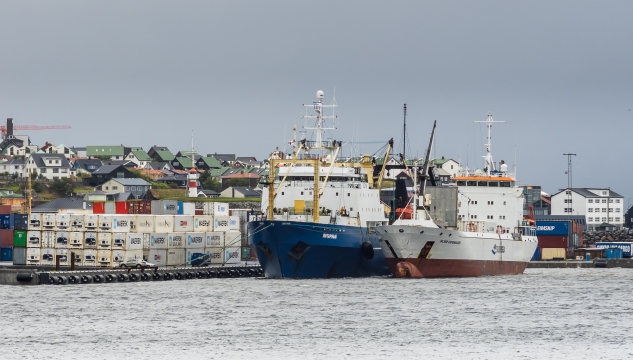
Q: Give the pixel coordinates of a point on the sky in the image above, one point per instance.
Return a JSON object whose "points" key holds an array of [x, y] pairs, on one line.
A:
{"points": [[236, 73]]}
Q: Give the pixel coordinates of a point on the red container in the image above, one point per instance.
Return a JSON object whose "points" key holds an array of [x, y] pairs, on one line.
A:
{"points": [[121, 207], [553, 242], [199, 212], [6, 237], [5, 209], [139, 207], [98, 208]]}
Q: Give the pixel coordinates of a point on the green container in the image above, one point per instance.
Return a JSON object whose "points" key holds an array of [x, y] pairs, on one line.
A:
{"points": [[19, 238], [246, 253]]}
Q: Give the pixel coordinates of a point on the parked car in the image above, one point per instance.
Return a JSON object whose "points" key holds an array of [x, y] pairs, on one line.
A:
{"points": [[136, 263]]}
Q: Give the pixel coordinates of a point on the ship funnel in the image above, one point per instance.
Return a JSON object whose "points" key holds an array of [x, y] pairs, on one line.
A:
{"points": [[9, 126]]}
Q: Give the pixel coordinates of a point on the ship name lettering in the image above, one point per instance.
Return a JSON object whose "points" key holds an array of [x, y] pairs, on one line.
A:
{"points": [[451, 242], [330, 236]]}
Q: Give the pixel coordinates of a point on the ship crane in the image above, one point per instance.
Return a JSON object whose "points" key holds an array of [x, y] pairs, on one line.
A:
{"points": [[4, 131]]}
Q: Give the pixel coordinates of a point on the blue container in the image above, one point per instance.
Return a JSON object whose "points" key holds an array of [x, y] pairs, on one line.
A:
{"points": [[5, 221], [181, 210], [625, 246], [587, 257], [608, 253], [553, 228], [618, 253], [537, 254], [21, 221], [6, 254]]}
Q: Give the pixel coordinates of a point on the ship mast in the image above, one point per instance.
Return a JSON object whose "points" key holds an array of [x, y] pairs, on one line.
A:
{"points": [[320, 125], [488, 156]]}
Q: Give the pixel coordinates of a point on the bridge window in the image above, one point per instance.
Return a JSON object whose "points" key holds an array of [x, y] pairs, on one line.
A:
{"points": [[493, 183], [471, 183], [482, 183], [505, 184], [461, 183]]}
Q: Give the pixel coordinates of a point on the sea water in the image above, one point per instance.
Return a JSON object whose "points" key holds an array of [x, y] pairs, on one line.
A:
{"points": [[542, 314]]}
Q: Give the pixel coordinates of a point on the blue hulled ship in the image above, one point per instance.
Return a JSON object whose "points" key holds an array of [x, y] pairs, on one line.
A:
{"points": [[320, 211]]}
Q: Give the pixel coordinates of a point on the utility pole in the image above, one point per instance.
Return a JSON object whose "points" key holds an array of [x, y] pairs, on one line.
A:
{"points": [[404, 136]]}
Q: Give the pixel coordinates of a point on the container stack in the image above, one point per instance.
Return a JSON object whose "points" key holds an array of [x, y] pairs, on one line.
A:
{"points": [[557, 239], [12, 241], [165, 238]]}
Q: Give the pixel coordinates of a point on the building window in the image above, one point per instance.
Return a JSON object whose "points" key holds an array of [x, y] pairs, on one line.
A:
{"points": [[617, 219], [590, 210], [127, 188], [590, 219], [603, 219], [604, 193], [611, 201], [590, 201], [567, 192], [106, 188], [604, 201], [491, 202], [617, 201], [617, 209], [567, 201], [43, 171], [610, 219], [50, 161], [55, 170]]}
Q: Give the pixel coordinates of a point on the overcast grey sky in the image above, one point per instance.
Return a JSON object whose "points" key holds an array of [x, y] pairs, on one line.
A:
{"points": [[141, 73]]}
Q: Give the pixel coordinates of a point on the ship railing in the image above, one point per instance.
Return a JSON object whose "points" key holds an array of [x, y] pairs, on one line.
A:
{"points": [[477, 172]]}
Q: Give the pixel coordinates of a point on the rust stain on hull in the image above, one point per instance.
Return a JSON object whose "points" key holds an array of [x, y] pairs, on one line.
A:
{"points": [[421, 268]]}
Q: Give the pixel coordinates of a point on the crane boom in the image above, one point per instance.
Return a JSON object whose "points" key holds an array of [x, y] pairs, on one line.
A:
{"points": [[3, 128]]}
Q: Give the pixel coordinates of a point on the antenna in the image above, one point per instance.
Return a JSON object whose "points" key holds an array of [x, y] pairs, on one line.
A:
{"points": [[488, 157], [404, 135], [569, 184]]}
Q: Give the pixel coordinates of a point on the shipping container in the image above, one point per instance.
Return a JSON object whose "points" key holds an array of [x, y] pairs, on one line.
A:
{"points": [[5, 209], [232, 239], [48, 239], [146, 242], [552, 253], [105, 222], [553, 228], [91, 222], [19, 256], [215, 255], [214, 239], [21, 221], [6, 238], [618, 253], [78, 255], [33, 256], [195, 240], [5, 221], [234, 223], [195, 257], [19, 239], [139, 207], [98, 208], [158, 241], [121, 223], [176, 257], [63, 256], [188, 208], [221, 223], [202, 223], [165, 207], [34, 239], [110, 208], [104, 241], [176, 241], [145, 224], [118, 256], [90, 258], [625, 246], [157, 257], [246, 253], [77, 222], [554, 241], [48, 256], [232, 255], [121, 207], [91, 241], [61, 240], [76, 240], [104, 258], [537, 254], [216, 208], [183, 223], [133, 254], [164, 223], [134, 241], [48, 222], [35, 222], [118, 241], [62, 222]]}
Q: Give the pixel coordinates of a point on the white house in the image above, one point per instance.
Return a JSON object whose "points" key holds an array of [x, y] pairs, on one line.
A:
{"points": [[51, 166], [598, 205], [13, 166], [449, 165]]}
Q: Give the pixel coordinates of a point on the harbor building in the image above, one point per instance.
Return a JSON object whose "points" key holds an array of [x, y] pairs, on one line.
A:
{"points": [[601, 207]]}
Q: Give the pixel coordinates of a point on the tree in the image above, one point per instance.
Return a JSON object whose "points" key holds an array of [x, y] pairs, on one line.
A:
{"points": [[34, 174], [14, 176], [37, 187], [211, 184], [62, 186], [205, 176]]}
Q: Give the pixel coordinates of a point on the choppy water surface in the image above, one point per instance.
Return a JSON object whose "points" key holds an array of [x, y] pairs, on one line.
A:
{"points": [[545, 313]]}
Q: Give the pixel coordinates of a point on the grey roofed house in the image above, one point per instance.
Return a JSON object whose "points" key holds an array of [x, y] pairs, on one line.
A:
{"points": [[54, 206], [240, 192], [126, 163], [246, 159], [88, 165], [223, 157], [131, 181], [160, 165], [588, 194], [208, 193], [39, 162], [178, 179]]}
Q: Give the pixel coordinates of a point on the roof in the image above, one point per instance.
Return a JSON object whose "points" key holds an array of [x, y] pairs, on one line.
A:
{"points": [[242, 176], [247, 191], [246, 159], [141, 155], [158, 165], [208, 192], [106, 169], [588, 194], [125, 163], [176, 177], [223, 157], [441, 161], [210, 162], [131, 181], [165, 155], [62, 203], [105, 150], [39, 162], [219, 172], [184, 161]]}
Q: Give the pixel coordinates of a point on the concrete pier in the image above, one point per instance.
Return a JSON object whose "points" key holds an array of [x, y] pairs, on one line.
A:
{"points": [[599, 263]]}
